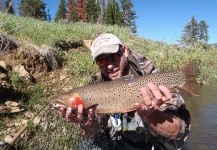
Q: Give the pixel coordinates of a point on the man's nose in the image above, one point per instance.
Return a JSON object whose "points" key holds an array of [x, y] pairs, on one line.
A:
{"points": [[110, 65]]}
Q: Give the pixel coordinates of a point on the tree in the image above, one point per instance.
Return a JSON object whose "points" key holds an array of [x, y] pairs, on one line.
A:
{"points": [[93, 11], [129, 15], [190, 32], [113, 15], [103, 10], [9, 6], [33, 8], [48, 15], [203, 32], [194, 32], [71, 11], [61, 13], [82, 10]]}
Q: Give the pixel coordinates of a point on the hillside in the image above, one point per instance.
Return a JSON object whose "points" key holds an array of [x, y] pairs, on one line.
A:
{"points": [[41, 59]]}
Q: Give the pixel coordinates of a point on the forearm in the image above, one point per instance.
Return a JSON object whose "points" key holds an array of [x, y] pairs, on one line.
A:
{"points": [[164, 124]]}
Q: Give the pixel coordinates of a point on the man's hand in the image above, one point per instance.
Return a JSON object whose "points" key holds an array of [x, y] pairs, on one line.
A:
{"points": [[87, 120], [160, 94]]}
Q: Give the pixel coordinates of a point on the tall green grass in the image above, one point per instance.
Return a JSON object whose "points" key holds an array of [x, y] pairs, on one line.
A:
{"points": [[165, 56]]}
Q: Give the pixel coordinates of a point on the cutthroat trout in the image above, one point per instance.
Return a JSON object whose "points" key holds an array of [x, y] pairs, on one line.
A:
{"points": [[120, 95]]}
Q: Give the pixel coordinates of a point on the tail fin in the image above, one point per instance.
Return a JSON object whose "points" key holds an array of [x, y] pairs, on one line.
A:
{"points": [[190, 72]]}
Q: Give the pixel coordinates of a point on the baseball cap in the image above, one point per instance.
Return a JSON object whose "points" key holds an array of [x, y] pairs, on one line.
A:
{"points": [[104, 44]]}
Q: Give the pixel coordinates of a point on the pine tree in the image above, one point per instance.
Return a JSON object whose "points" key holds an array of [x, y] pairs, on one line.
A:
{"points": [[33, 8], [93, 11], [190, 32], [113, 14], [71, 11], [9, 6], [129, 15], [48, 15], [61, 13], [203, 32], [82, 10], [103, 11], [118, 14]]}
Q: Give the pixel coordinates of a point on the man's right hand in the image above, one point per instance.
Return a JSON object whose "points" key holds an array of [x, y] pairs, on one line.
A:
{"points": [[87, 120]]}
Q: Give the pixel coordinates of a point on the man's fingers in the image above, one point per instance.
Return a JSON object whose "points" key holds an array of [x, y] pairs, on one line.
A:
{"points": [[146, 97], [62, 111], [80, 111], [155, 91], [166, 93]]}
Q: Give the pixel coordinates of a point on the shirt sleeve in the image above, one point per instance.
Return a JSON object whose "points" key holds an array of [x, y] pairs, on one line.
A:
{"points": [[176, 106]]}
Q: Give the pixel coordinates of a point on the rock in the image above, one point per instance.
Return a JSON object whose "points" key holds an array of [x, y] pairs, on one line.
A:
{"points": [[8, 138], [36, 120], [3, 76], [17, 124], [24, 121], [28, 114], [4, 65], [12, 103], [62, 77], [10, 125], [16, 109], [87, 43], [21, 70]]}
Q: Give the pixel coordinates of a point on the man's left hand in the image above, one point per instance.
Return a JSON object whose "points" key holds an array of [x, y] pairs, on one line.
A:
{"points": [[159, 96]]}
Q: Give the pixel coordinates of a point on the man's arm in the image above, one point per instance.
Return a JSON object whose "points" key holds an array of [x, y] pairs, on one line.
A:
{"points": [[163, 123]]}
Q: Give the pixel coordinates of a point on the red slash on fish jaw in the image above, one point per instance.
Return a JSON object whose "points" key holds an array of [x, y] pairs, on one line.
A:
{"points": [[75, 101]]}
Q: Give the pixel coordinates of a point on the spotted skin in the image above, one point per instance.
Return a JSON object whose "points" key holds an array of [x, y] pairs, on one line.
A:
{"points": [[120, 95]]}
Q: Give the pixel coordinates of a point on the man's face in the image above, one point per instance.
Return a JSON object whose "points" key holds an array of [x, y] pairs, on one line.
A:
{"points": [[114, 65]]}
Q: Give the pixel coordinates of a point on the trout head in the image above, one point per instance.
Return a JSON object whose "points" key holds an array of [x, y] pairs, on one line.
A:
{"points": [[69, 100]]}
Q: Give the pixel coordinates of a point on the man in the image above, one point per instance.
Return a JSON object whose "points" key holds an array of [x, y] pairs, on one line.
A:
{"points": [[161, 123]]}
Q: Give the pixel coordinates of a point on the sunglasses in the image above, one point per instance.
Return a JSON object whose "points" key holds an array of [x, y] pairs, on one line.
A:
{"points": [[113, 57]]}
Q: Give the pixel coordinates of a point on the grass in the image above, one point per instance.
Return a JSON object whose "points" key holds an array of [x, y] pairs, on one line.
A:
{"points": [[79, 63], [166, 57]]}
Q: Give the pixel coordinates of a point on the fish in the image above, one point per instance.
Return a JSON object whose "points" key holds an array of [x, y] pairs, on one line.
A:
{"points": [[120, 95]]}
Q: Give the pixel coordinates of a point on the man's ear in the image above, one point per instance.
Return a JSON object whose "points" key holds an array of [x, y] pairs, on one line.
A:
{"points": [[125, 51]]}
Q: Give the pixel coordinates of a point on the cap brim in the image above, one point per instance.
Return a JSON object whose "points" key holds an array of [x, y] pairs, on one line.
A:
{"points": [[106, 50]]}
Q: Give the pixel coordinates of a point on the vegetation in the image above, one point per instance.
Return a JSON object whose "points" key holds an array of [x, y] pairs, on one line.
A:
{"points": [[34, 9], [195, 32], [61, 11], [93, 11], [165, 56], [80, 67], [129, 15]]}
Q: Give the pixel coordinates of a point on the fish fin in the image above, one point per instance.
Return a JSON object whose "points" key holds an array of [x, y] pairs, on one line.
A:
{"points": [[92, 106], [190, 72], [173, 90]]}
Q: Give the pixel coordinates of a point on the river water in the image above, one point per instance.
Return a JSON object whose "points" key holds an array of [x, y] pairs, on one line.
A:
{"points": [[203, 110]]}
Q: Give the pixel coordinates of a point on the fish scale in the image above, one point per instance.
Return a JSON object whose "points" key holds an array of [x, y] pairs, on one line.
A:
{"points": [[120, 95]]}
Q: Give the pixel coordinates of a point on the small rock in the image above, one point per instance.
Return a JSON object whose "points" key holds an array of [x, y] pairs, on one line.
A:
{"points": [[4, 65], [8, 129], [24, 121], [62, 77], [36, 120], [8, 139], [3, 76], [17, 124], [12, 103], [16, 109], [28, 114], [10, 125]]}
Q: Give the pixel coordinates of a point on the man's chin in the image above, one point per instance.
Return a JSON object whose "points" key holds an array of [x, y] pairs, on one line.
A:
{"points": [[114, 77]]}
